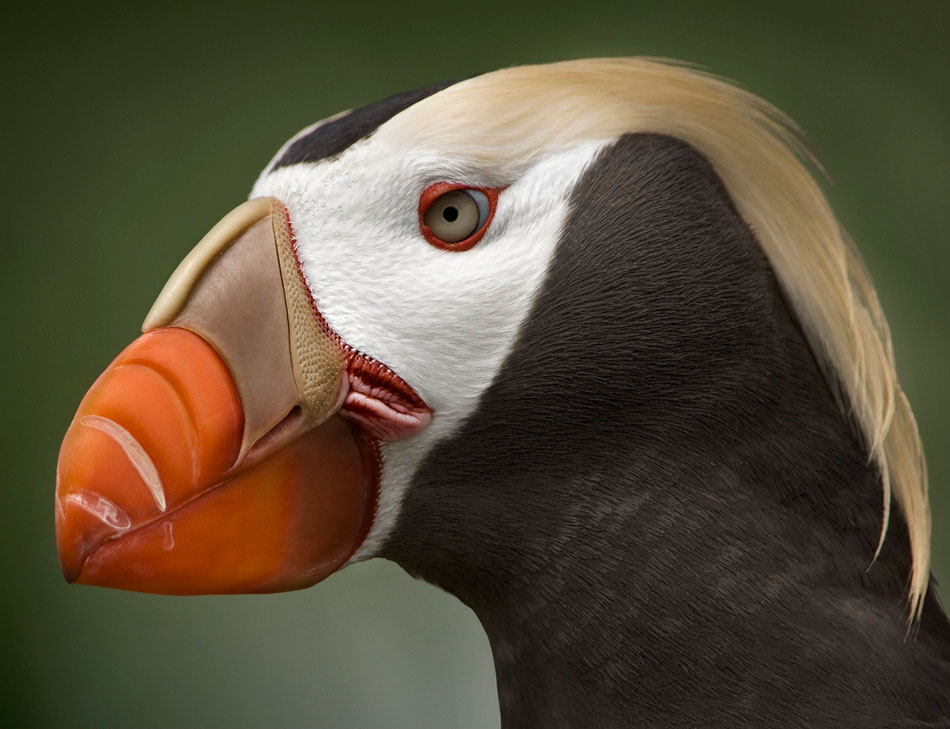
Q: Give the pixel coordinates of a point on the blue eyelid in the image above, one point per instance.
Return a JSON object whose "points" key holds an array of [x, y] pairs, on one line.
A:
{"points": [[481, 200]]}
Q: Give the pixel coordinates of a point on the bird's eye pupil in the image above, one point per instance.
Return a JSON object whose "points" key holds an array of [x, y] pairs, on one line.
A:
{"points": [[450, 214]]}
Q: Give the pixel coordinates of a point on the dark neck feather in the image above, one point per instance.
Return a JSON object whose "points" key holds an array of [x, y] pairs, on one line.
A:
{"points": [[658, 512]]}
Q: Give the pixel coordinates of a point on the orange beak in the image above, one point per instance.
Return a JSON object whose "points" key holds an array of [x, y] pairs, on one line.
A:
{"points": [[208, 457]]}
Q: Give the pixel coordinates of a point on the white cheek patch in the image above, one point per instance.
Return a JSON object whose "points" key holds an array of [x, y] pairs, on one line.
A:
{"points": [[443, 321]]}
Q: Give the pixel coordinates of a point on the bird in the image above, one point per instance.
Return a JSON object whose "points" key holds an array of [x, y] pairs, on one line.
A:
{"points": [[584, 345]]}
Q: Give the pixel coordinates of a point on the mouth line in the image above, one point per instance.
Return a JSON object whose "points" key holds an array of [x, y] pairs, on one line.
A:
{"points": [[381, 401]]}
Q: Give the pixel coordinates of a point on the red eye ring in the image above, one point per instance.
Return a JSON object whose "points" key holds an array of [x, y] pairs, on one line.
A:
{"points": [[434, 192]]}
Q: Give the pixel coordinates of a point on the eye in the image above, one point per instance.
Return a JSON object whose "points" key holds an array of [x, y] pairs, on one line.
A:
{"points": [[455, 217]]}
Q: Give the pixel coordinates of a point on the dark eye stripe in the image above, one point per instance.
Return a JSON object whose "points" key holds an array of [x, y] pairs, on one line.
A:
{"points": [[335, 136]]}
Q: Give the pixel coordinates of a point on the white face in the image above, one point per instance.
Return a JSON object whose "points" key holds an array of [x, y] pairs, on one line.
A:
{"points": [[442, 320]]}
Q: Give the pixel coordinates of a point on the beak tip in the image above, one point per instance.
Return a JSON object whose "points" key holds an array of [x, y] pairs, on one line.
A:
{"points": [[75, 542], [70, 565], [69, 576]]}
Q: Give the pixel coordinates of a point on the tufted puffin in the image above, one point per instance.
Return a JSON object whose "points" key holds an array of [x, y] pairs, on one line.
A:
{"points": [[582, 344]]}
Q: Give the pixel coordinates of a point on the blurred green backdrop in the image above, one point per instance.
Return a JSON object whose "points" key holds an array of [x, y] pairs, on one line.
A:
{"points": [[128, 130]]}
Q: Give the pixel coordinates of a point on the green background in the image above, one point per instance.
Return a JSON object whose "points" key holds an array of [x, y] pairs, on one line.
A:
{"points": [[127, 132]]}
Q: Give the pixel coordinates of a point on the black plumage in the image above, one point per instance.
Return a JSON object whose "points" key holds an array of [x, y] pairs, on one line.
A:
{"points": [[334, 136], [658, 511]]}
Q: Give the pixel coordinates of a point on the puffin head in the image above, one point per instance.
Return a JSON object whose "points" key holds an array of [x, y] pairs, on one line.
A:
{"points": [[441, 318]]}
